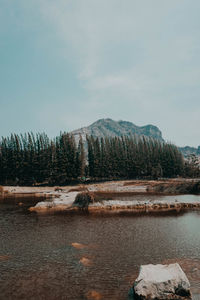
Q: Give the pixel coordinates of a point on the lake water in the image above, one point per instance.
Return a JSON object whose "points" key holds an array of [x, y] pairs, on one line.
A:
{"points": [[40, 260]]}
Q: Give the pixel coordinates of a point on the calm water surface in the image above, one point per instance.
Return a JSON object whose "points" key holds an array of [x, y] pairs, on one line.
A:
{"points": [[38, 260]]}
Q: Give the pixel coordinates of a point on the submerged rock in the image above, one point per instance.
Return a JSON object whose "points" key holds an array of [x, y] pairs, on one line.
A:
{"points": [[4, 257], [161, 282], [85, 261], [78, 245], [93, 295]]}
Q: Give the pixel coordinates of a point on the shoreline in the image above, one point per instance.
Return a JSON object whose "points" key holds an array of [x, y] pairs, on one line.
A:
{"points": [[60, 199], [117, 206], [131, 185]]}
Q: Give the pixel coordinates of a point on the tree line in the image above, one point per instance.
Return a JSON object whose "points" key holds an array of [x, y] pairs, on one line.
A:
{"points": [[35, 159]]}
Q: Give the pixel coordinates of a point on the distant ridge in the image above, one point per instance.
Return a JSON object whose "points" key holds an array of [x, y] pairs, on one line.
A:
{"points": [[110, 128], [187, 150]]}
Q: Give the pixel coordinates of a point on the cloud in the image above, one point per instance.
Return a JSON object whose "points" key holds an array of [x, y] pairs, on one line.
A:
{"points": [[149, 37], [144, 52], [136, 59]]}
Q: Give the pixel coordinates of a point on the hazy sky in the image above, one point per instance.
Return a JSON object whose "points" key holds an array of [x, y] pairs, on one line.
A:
{"points": [[66, 63]]}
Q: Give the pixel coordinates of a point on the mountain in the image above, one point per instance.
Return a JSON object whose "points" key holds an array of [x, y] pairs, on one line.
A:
{"points": [[110, 128], [187, 150]]}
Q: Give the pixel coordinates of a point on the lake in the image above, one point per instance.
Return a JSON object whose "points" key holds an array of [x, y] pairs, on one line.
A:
{"points": [[84, 256]]}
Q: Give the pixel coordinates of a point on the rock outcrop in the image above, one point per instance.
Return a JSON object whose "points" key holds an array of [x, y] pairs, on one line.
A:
{"points": [[187, 150], [161, 282], [110, 128], [142, 200]]}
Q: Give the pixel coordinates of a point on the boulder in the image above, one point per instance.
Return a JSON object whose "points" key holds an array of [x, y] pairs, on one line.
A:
{"points": [[162, 282]]}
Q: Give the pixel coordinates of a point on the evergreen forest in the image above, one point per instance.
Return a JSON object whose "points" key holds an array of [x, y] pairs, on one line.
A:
{"points": [[37, 160]]}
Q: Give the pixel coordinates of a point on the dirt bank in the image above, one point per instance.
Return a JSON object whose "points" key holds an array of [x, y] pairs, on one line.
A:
{"points": [[167, 186], [116, 206], [62, 198]]}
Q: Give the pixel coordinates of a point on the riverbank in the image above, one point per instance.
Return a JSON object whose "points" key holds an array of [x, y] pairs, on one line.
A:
{"points": [[108, 196], [165, 186], [117, 206]]}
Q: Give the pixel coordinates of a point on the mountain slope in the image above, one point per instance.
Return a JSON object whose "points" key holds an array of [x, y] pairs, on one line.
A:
{"points": [[110, 128], [187, 150]]}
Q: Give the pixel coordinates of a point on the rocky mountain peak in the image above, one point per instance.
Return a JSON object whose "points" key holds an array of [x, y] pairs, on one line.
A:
{"points": [[110, 128]]}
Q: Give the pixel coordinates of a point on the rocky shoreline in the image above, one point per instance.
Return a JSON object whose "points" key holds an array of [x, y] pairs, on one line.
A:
{"points": [[115, 206], [62, 198]]}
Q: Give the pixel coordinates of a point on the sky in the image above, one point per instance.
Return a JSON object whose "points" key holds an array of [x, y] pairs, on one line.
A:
{"points": [[66, 63]]}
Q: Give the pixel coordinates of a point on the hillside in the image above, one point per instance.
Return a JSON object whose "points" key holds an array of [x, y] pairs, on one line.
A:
{"points": [[110, 128], [187, 150]]}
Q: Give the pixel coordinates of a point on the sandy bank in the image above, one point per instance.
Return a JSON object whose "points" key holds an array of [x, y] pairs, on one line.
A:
{"points": [[112, 206], [62, 198], [159, 204], [168, 186], [62, 202]]}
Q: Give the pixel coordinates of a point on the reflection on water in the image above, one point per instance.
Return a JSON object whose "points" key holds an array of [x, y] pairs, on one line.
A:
{"points": [[89, 257]]}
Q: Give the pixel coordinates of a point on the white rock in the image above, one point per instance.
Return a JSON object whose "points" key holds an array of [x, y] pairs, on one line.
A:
{"points": [[64, 200], [162, 282]]}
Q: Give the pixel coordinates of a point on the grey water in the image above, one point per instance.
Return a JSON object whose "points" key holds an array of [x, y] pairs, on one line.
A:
{"points": [[83, 256]]}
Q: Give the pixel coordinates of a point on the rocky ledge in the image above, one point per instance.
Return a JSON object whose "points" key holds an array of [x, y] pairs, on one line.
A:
{"points": [[63, 198], [68, 202]]}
